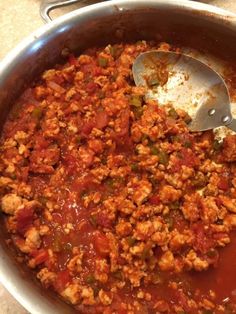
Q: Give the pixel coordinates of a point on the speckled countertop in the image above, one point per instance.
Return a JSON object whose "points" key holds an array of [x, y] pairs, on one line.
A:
{"points": [[18, 18]]}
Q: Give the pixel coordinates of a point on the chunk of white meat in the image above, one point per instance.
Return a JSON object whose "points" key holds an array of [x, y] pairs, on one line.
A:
{"points": [[72, 293], [10, 203], [33, 239], [46, 277]]}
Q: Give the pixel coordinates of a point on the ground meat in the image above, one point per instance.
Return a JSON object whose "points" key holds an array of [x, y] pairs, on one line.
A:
{"points": [[88, 296], [72, 293], [10, 203], [193, 261], [123, 228], [110, 199], [191, 207], [104, 297], [44, 160], [140, 190], [166, 262], [229, 203], [168, 194], [229, 148], [46, 277], [230, 220], [75, 264], [33, 238]]}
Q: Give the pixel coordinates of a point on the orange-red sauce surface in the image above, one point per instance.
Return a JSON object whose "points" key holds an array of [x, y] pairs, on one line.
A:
{"points": [[111, 200]]}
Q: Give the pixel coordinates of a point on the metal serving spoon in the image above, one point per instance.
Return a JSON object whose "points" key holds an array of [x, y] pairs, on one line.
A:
{"points": [[188, 84]]}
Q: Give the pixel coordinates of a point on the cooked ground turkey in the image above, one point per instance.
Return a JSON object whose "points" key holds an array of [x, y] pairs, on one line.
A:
{"points": [[109, 198]]}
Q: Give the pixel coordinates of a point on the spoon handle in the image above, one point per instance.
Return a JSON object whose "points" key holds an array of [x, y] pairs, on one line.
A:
{"points": [[232, 125]]}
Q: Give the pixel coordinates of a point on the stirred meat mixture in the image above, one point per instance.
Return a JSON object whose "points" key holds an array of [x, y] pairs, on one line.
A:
{"points": [[110, 198]]}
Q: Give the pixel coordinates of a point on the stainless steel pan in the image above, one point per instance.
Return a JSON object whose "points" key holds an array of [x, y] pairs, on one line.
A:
{"points": [[182, 22]]}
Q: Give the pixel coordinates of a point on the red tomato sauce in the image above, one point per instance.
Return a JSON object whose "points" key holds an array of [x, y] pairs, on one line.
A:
{"points": [[111, 200]]}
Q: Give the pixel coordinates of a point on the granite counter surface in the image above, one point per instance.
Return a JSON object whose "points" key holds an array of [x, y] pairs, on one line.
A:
{"points": [[18, 18]]}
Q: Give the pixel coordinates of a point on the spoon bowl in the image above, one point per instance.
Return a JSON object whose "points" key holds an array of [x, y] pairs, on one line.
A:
{"points": [[186, 83]]}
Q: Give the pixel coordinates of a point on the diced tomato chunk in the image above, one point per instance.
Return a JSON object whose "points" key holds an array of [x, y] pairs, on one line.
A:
{"points": [[70, 162], [121, 260], [223, 184], [91, 88], [87, 127], [186, 138], [101, 120], [186, 157], [11, 153], [24, 173], [41, 142], [203, 240], [189, 159], [218, 201], [103, 220], [40, 256], [63, 278], [207, 136], [73, 60], [155, 200], [224, 181], [97, 71], [24, 219], [124, 122], [87, 68], [101, 244]]}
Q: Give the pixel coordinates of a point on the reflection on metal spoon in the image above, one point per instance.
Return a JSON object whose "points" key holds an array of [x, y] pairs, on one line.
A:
{"points": [[186, 83]]}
